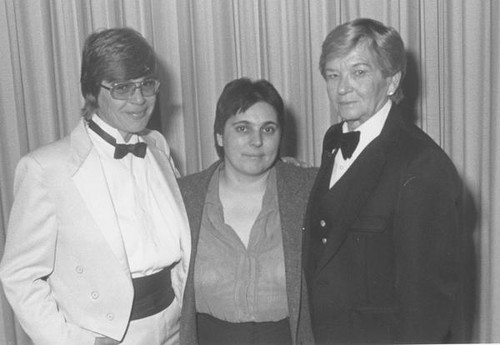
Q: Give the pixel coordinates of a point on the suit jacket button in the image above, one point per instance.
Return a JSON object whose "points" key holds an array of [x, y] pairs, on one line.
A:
{"points": [[303, 228], [322, 223], [324, 240]]}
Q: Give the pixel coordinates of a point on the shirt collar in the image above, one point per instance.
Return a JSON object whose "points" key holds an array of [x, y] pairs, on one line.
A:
{"points": [[372, 127], [113, 131]]}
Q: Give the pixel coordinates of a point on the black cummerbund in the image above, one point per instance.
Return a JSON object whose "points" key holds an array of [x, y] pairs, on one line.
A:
{"points": [[152, 294]]}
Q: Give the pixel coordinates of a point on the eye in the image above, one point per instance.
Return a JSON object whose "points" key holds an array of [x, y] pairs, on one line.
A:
{"points": [[332, 75], [269, 129], [123, 88], [241, 129], [359, 72], [149, 83]]}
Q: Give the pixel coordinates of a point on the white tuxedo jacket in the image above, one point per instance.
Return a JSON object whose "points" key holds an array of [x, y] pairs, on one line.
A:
{"points": [[64, 270]]}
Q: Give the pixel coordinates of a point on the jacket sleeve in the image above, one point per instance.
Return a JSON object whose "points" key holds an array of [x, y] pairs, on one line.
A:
{"points": [[28, 261], [428, 237]]}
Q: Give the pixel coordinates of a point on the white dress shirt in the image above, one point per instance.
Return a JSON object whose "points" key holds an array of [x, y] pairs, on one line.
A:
{"points": [[143, 203], [369, 130]]}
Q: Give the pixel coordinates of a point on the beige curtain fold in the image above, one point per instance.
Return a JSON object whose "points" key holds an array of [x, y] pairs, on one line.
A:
{"points": [[452, 88]]}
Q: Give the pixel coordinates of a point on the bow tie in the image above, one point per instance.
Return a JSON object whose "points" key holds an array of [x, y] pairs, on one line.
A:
{"points": [[121, 150], [347, 142]]}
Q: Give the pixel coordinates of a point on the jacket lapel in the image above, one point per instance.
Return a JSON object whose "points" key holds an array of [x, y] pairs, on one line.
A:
{"points": [[91, 183], [166, 164], [161, 153], [291, 217], [350, 193]]}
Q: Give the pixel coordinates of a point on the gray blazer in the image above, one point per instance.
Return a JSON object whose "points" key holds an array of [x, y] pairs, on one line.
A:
{"points": [[294, 185]]}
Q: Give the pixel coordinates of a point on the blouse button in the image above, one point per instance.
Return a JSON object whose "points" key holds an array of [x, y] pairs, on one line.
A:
{"points": [[110, 316], [322, 223], [94, 295], [79, 269], [324, 240]]}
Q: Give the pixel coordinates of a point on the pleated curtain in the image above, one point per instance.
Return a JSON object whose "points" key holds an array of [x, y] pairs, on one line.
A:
{"points": [[452, 89]]}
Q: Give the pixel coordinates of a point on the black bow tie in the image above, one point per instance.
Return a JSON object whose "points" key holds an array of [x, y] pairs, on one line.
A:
{"points": [[121, 150], [347, 142]]}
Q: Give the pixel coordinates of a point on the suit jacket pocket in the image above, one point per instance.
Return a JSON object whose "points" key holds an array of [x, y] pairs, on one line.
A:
{"points": [[369, 224]]}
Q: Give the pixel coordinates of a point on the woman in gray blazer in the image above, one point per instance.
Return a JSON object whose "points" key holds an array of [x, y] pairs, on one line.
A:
{"points": [[245, 284]]}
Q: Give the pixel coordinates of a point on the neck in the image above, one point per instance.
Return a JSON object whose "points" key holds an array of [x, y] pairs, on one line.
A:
{"points": [[125, 135], [243, 183], [352, 125]]}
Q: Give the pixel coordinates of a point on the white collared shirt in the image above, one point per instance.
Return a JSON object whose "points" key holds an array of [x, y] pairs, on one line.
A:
{"points": [[143, 203], [369, 130]]}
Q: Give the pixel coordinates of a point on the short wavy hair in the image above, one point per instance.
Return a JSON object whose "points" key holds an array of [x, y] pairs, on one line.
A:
{"points": [[116, 54], [238, 96], [384, 42]]}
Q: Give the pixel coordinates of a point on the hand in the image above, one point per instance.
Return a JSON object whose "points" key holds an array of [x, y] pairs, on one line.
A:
{"points": [[105, 341], [295, 161]]}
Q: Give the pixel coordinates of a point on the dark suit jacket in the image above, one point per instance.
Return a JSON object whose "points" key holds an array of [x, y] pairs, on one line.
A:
{"points": [[389, 269], [294, 185]]}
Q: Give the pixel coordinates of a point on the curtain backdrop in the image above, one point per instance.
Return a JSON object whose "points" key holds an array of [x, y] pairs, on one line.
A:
{"points": [[452, 88]]}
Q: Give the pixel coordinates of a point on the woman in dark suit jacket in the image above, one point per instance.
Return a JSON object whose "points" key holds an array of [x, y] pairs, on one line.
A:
{"points": [[383, 243], [245, 284]]}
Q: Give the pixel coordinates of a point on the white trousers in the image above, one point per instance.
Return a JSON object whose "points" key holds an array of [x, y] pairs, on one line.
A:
{"points": [[158, 329]]}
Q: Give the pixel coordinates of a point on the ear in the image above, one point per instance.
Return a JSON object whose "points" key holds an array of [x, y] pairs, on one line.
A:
{"points": [[394, 83], [220, 141]]}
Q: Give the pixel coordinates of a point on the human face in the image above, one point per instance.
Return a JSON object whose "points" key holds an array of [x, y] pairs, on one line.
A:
{"points": [[356, 86], [127, 116], [251, 140]]}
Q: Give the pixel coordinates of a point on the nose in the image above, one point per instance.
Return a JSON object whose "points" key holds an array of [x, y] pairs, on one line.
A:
{"points": [[344, 85], [256, 139], [137, 96]]}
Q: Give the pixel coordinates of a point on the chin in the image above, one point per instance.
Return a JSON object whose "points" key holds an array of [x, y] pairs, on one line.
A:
{"points": [[258, 171]]}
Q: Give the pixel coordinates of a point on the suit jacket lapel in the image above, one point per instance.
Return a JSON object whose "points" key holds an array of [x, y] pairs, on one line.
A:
{"points": [[166, 164], [291, 222], [90, 181], [351, 192], [161, 153], [195, 203]]}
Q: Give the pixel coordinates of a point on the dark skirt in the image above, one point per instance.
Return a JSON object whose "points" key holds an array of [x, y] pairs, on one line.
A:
{"points": [[213, 331]]}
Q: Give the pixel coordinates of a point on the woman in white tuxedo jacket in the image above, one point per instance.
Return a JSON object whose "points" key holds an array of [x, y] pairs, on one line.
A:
{"points": [[98, 242]]}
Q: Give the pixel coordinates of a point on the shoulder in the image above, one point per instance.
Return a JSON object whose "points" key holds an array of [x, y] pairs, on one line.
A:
{"points": [[47, 165], [294, 181], [196, 181], [52, 154], [408, 138], [295, 174], [154, 137], [425, 158], [408, 141], [418, 144]]}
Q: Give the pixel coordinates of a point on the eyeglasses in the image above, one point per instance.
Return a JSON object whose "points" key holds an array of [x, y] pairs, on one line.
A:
{"points": [[126, 90]]}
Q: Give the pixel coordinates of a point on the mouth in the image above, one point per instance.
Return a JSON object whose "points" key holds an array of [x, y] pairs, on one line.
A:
{"points": [[253, 156], [345, 103], [137, 114]]}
